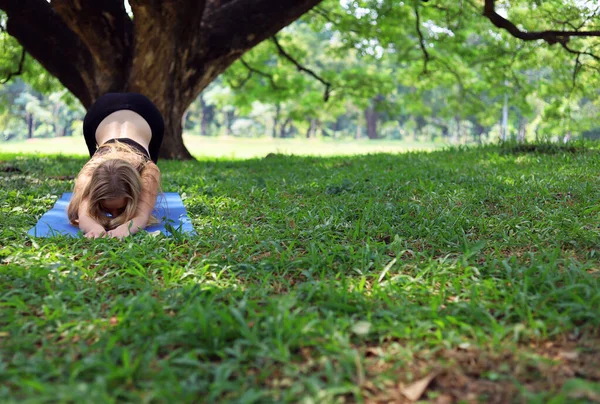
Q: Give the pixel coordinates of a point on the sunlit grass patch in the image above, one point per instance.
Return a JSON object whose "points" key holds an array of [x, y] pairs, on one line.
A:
{"points": [[341, 278]]}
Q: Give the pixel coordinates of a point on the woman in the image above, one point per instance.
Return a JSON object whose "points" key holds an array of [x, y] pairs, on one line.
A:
{"points": [[115, 192]]}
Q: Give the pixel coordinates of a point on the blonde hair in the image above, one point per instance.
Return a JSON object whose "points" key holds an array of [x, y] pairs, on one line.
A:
{"points": [[115, 171]]}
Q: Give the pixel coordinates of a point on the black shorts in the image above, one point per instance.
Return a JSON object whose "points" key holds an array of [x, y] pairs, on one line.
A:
{"points": [[113, 102]]}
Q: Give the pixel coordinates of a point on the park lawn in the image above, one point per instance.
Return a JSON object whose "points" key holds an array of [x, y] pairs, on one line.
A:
{"points": [[235, 147], [475, 271]]}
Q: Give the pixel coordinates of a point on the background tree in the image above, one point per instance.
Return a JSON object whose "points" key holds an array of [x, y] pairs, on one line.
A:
{"points": [[383, 57], [170, 51]]}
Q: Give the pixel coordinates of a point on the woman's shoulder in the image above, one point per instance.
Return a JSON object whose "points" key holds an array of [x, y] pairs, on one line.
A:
{"points": [[150, 169]]}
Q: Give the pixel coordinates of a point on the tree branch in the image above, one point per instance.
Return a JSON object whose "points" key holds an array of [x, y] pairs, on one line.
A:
{"points": [[421, 39], [19, 69], [576, 70], [579, 53], [323, 14], [254, 21], [550, 36], [260, 73], [579, 65], [106, 30], [301, 68], [44, 35], [463, 90], [242, 83]]}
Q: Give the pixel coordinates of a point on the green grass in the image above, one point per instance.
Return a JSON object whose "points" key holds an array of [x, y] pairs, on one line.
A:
{"points": [[314, 279], [235, 148]]}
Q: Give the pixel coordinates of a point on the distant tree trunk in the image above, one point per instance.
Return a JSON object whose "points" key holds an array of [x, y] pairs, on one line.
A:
{"points": [[284, 131], [478, 132], [229, 119], [421, 122], [170, 50], [67, 128], [30, 123], [324, 130], [445, 132], [337, 124], [312, 128], [208, 116], [504, 129], [441, 125], [336, 127], [458, 136], [292, 130], [371, 116], [276, 120], [56, 120], [401, 121], [522, 130]]}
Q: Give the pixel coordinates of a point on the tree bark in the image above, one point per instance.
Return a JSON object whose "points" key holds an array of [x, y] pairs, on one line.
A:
{"points": [[29, 118], [170, 51], [458, 129], [229, 115], [420, 122], [371, 117], [312, 128], [283, 131], [522, 133], [276, 119]]}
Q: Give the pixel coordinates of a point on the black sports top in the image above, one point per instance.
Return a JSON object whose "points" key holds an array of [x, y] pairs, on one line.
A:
{"points": [[138, 103], [127, 141]]}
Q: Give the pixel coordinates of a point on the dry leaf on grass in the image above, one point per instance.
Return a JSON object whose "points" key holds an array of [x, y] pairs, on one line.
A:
{"points": [[415, 390], [444, 399], [569, 355], [361, 328]]}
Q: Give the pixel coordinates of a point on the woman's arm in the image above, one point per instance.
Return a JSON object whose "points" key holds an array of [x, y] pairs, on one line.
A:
{"points": [[88, 226], [150, 185]]}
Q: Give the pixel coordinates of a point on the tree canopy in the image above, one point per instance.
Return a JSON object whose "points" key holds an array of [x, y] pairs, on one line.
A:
{"points": [[382, 56]]}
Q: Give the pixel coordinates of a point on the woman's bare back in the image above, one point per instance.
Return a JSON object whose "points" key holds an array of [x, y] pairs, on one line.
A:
{"points": [[124, 124]]}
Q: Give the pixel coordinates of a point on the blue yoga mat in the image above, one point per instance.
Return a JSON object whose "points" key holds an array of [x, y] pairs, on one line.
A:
{"points": [[169, 209]]}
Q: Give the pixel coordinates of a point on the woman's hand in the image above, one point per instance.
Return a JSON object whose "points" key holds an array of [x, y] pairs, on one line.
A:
{"points": [[95, 231], [121, 231]]}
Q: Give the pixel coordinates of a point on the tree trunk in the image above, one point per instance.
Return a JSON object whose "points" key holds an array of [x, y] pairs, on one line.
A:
{"points": [[312, 128], [276, 119], [56, 121], [229, 119], [458, 129], [184, 119], [504, 127], [521, 134], [283, 132], [478, 131], [371, 117], [445, 132], [67, 128], [170, 51], [29, 118], [208, 115], [420, 122]]}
